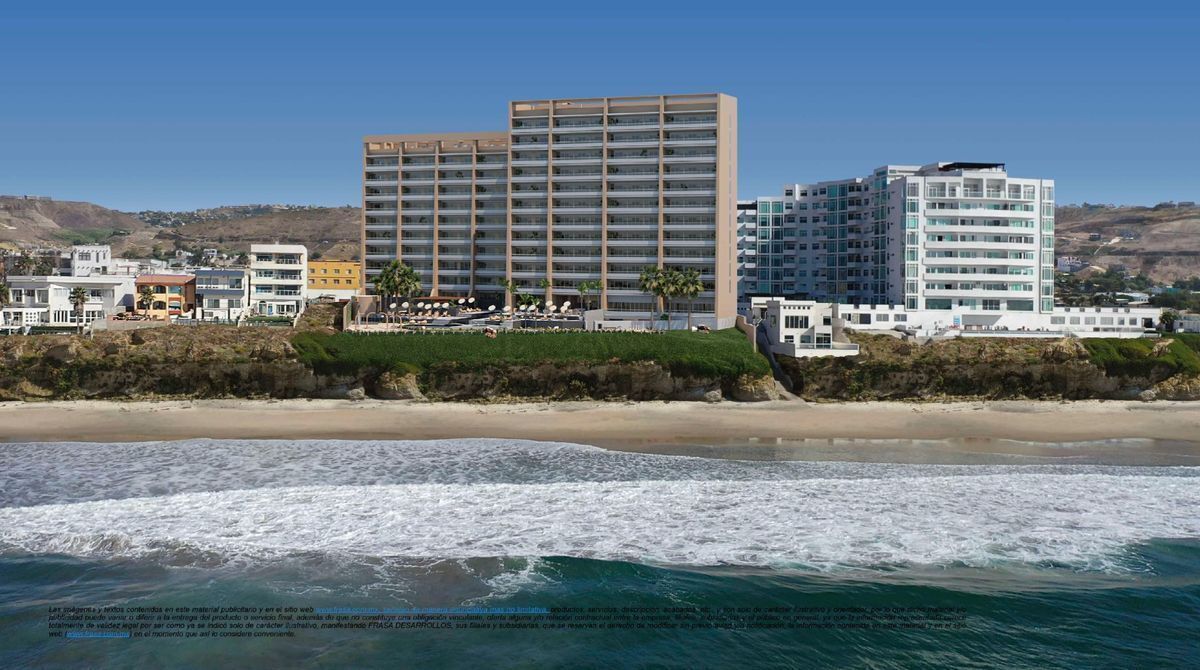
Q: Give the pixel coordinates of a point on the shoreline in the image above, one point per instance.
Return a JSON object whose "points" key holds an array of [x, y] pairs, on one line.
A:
{"points": [[608, 424]]}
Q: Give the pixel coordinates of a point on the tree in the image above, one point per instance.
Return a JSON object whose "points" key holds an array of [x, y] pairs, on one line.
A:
{"points": [[145, 299], [689, 285], [1168, 319], [5, 295], [42, 266], [587, 289], [22, 264], [662, 284], [397, 279], [511, 289], [545, 285], [79, 297]]}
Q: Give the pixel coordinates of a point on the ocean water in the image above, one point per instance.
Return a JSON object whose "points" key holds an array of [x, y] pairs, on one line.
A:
{"points": [[1042, 565]]}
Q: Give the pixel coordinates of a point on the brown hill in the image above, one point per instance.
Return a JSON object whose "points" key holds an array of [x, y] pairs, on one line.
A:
{"points": [[331, 231], [1163, 242], [56, 223]]}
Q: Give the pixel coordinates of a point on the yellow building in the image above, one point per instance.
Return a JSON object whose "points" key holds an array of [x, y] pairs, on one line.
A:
{"points": [[341, 279]]}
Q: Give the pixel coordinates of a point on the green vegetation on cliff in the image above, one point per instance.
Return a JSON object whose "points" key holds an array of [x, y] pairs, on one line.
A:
{"points": [[1179, 353], [722, 354], [892, 369]]}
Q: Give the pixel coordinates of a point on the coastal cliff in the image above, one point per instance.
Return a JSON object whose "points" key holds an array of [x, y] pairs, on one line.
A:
{"points": [[223, 362], [996, 368]]}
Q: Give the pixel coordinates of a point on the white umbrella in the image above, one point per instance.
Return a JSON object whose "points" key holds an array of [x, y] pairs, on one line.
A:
{"points": [[550, 308], [471, 300], [405, 305], [420, 305], [461, 301], [507, 308], [566, 304], [393, 305], [491, 308]]}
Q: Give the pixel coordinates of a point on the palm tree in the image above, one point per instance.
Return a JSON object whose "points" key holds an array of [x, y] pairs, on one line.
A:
{"points": [[689, 286], [517, 297], [586, 289], [79, 297], [657, 282], [397, 279], [545, 285], [145, 299], [5, 295]]}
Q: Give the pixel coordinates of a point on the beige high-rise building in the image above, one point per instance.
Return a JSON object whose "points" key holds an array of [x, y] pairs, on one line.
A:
{"points": [[578, 190]]}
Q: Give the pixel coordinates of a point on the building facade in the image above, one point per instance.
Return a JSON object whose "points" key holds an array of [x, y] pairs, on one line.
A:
{"points": [[46, 301], [278, 279], [944, 236], [222, 294], [172, 296], [581, 190], [340, 279]]}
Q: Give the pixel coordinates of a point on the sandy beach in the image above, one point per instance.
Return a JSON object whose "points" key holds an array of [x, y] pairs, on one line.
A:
{"points": [[602, 424]]}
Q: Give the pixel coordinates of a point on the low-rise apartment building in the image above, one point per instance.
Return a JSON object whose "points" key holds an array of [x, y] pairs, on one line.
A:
{"points": [[340, 279], [46, 301], [278, 279], [173, 296], [222, 294]]}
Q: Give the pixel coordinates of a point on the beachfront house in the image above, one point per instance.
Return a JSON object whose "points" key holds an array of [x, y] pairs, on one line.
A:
{"points": [[46, 301], [278, 279], [174, 296], [222, 294]]}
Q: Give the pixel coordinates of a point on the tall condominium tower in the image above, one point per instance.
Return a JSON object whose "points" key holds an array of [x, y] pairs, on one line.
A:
{"points": [[942, 236], [582, 190]]}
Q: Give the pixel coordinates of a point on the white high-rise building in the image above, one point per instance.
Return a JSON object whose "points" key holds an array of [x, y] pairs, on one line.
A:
{"points": [[945, 236], [974, 238]]}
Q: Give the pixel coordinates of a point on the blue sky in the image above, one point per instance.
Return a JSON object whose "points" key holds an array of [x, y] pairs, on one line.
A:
{"points": [[146, 106]]}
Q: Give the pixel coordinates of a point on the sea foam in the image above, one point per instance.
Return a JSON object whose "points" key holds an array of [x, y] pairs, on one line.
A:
{"points": [[1083, 521]]}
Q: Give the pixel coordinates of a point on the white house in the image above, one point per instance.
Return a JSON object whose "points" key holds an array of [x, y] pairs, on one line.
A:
{"points": [[802, 328], [46, 301], [278, 279]]}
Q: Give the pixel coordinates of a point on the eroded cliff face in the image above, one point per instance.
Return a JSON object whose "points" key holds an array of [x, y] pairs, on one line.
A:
{"points": [[891, 369], [214, 362]]}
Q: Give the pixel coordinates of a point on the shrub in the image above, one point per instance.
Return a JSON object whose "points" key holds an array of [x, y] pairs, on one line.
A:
{"points": [[723, 354]]}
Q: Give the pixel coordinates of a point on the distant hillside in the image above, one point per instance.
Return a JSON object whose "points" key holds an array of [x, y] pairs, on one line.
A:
{"points": [[51, 223], [331, 231], [1163, 241]]}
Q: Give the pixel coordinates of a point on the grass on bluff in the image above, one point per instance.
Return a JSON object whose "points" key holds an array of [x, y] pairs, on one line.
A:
{"points": [[1135, 357], [724, 353]]}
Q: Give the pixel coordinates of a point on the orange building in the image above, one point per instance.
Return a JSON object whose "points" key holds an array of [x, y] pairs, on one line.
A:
{"points": [[174, 295]]}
